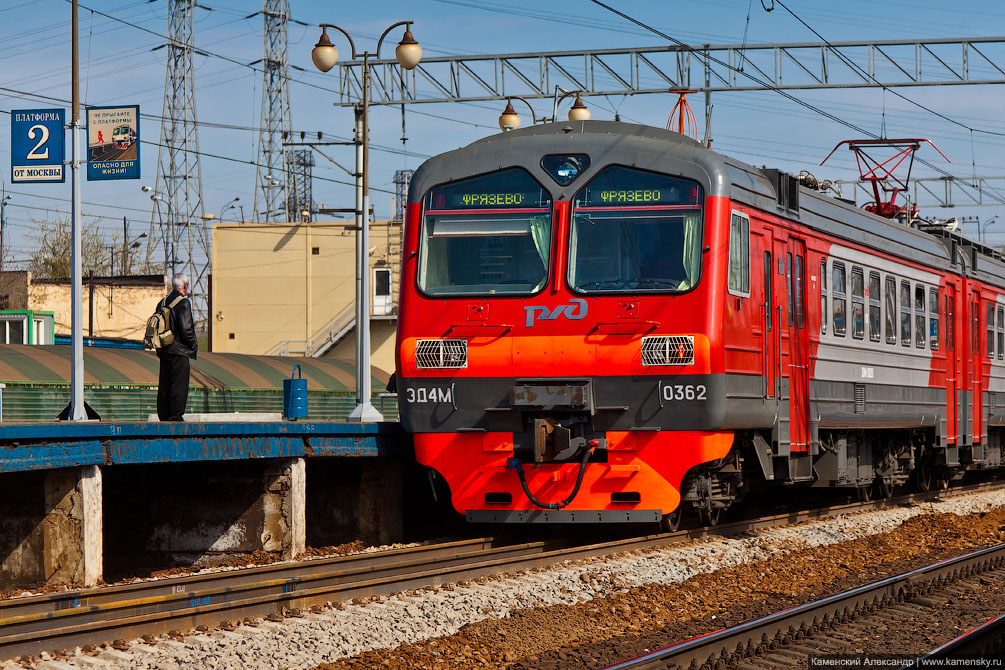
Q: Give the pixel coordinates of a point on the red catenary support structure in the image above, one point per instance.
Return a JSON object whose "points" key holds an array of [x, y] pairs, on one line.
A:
{"points": [[880, 173]]}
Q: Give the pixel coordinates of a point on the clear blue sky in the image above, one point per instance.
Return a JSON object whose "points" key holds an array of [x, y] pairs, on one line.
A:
{"points": [[119, 66]]}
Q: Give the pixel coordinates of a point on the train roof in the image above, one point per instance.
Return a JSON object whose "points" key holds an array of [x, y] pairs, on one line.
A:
{"points": [[648, 147]]}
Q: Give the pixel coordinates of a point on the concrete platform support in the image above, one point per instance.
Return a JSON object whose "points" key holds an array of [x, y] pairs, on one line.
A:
{"points": [[92, 503], [51, 527], [284, 527]]}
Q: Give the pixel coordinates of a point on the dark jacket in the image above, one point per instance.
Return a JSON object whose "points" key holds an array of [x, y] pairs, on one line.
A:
{"points": [[183, 327]]}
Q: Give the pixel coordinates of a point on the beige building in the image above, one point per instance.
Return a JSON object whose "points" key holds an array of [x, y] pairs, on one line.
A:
{"points": [[115, 307], [289, 288]]}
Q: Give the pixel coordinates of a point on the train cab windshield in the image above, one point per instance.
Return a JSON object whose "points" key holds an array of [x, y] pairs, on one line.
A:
{"points": [[486, 235], [634, 230]]}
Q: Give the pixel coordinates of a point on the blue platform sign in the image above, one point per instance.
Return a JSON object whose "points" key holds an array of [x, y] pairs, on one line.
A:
{"points": [[113, 142], [37, 145]]}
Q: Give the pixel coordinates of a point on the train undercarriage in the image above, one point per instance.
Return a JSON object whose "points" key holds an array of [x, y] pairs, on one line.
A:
{"points": [[872, 463]]}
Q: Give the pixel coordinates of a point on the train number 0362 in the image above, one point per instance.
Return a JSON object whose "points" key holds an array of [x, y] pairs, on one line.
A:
{"points": [[684, 392]]}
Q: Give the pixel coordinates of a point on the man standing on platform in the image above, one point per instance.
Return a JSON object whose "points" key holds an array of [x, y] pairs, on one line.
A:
{"points": [[172, 390]]}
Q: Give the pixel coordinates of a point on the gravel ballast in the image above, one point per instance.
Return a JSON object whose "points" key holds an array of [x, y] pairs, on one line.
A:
{"points": [[612, 587]]}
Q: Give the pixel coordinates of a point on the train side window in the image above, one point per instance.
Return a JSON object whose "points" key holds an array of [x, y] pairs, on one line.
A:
{"points": [[919, 316], [905, 313], [874, 307], [891, 310], [767, 290], [991, 331], [838, 286], [739, 255], [933, 318], [1001, 332], [823, 296], [857, 303]]}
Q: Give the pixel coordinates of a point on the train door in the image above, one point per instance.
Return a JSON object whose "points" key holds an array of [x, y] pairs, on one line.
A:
{"points": [[769, 321], [952, 397], [975, 368], [782, 339], [799, 383]]}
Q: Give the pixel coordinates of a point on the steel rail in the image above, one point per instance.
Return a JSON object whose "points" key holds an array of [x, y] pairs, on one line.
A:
{"points": [[32, 624], [731, 645], [986, 640]]}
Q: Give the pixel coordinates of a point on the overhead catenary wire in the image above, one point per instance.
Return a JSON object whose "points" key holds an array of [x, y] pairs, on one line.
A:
{"points": [[767, 85]]}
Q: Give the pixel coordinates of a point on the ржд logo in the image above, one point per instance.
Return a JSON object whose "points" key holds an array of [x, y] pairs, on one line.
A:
{"points": [[546, 314]]}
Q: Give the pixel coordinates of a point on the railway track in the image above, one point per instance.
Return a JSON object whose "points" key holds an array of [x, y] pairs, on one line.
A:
{"points": [[836, 624], [31, 624], [984, 641]]}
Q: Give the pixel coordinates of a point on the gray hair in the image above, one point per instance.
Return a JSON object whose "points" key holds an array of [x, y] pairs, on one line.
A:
{"points": [[179, 281]]}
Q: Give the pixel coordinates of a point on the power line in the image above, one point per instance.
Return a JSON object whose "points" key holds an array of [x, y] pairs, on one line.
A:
{"points": [[850, 63], [785, 94], [224, 126]]}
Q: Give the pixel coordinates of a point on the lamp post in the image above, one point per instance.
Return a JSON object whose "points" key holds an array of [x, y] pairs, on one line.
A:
{"points": [[169, 250], [4, 198], [211, 217], [408, 53], [984, 227], [510, 120]]}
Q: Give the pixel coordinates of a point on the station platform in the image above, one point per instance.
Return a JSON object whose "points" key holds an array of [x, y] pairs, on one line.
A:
{"points": [[84, 502], [25, 447]]}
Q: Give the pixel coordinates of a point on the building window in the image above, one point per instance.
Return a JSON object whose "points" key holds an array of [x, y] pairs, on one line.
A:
{"points": [[905, 313], [12, 330], [890, 322], [739, 255], [933, 318], [839, 303], [857, 303]]}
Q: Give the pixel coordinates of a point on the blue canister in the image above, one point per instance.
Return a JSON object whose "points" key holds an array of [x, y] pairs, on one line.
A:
{"points": [[295, 395]]}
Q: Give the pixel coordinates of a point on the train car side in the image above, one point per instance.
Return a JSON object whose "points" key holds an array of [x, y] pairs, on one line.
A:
{"points": [[599, 321]]}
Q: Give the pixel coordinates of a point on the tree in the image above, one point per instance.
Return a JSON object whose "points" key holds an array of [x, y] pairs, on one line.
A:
{"points": [[52, 259], [104, 255]]}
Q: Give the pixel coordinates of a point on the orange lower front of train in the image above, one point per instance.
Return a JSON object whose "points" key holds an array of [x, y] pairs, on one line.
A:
{"points": [[637, 473]]}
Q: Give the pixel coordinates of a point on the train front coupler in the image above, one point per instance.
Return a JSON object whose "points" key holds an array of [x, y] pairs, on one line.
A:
{"points": [[555, 443]]}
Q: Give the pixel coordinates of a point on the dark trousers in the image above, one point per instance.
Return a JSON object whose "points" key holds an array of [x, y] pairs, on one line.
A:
{"points": [[172, 389]]}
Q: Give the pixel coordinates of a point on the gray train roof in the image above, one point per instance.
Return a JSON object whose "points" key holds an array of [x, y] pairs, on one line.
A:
{"points": [[647, 147]]}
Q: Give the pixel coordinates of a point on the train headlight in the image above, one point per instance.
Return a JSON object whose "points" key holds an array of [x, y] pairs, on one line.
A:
{"points": [[668, 350], [441, 354]]}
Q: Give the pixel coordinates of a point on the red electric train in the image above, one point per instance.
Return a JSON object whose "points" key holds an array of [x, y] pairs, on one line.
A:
{"points": [[605, 322]]}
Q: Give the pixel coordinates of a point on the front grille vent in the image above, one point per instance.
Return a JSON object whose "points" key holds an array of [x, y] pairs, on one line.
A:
{"points": [[441, 354], [859, 398], [668, 350]]}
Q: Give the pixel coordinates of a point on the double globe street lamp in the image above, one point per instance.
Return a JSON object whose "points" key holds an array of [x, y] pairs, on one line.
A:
{"points": [[408, 53], [510, 120]]}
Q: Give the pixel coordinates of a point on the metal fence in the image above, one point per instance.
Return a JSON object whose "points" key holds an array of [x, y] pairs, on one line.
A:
{"points": [[40, 403]]}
